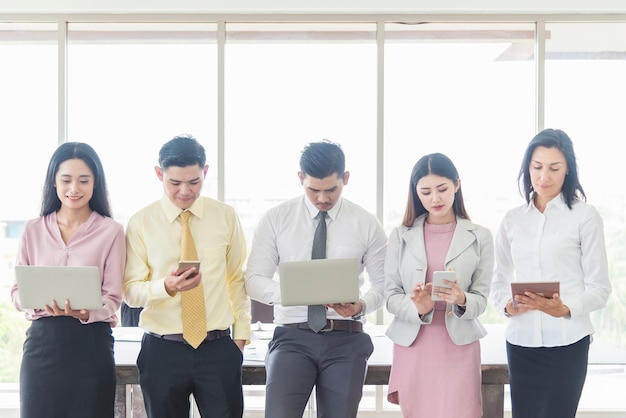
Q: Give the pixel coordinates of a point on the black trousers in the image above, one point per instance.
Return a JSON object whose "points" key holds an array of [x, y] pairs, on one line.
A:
{"points": [[67, 370], [169, 371], [546, 382], [130, 316]]}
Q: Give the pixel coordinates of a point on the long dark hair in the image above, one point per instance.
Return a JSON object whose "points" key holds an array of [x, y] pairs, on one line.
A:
{"points": [[439, 165], [572, 190], [99, 202]]}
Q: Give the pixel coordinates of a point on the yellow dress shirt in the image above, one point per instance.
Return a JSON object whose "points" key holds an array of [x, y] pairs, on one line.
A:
{"points": [[153, 246]]}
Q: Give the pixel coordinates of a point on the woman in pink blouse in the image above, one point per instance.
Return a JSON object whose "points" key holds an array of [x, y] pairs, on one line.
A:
{"points": [[68, 369]]}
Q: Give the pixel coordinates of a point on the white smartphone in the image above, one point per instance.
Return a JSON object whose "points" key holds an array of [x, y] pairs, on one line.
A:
{"points": [[186, 265], [438, 278]]}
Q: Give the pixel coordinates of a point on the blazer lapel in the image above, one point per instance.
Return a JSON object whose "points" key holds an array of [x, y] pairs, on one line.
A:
{"points": [[462, 238], [414, 239]]}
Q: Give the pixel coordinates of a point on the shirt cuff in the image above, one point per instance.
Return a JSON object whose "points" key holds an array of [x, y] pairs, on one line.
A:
{"points": [[427, 318], [459, 310]]}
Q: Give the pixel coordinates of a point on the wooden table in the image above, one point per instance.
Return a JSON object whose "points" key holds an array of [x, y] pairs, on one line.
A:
{"points": [[493, 353]]}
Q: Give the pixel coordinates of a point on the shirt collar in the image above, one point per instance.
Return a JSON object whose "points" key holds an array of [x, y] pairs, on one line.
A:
{"points": [[172, 211], [313, 210], [556, 203]]}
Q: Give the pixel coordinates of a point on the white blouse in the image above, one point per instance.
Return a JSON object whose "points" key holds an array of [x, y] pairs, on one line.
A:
{"points": [[560, 244]]}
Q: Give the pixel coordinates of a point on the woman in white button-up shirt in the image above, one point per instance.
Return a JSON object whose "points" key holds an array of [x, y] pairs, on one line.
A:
{"points": [[556, 236]]}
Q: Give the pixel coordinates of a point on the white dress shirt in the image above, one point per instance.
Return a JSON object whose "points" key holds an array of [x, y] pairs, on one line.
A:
{"points": [[285, 233], [557, 245]]}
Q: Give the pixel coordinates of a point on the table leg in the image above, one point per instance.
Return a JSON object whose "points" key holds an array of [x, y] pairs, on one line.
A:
{"points": [[493, 400], [120, 401], [138, 407]]}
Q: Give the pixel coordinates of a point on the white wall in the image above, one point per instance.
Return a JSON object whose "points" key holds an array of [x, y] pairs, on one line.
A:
{"points": [[314, 6]]}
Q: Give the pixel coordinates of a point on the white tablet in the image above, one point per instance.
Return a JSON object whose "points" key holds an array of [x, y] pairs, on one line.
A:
{"points": [[323, 281], [38, 286]]}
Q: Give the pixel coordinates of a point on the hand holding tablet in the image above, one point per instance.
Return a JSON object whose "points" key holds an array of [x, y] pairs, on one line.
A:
{"points": [[545, 289]]}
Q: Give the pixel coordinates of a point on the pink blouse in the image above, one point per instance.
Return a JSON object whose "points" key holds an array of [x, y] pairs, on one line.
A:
{"points": [[97, 242]]}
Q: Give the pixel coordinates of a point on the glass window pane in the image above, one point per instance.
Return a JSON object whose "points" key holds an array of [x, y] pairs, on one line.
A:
{"points": [[131, 88], [28, 105], [288, 85], [466, 90]]}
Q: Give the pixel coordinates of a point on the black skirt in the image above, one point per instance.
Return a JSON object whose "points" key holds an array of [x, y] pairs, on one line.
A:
{"points": [[546, 382], [68, 370]]}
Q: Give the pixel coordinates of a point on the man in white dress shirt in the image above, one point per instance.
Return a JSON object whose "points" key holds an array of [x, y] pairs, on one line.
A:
{"points": [[333, 360]]}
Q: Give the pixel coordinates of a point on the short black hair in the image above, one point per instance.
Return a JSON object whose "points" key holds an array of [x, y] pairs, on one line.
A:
{"points": [[182, 151], [322, 159]]}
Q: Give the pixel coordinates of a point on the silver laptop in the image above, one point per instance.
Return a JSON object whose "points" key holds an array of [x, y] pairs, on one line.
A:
{"points": [[312, 282], [39, 285]]}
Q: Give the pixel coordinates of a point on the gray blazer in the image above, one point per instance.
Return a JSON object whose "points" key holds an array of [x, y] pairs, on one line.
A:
{"points": [[470, 255]]}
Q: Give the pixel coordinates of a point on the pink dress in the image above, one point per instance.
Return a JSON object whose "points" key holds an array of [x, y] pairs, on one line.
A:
{"points": [[434, 377]]}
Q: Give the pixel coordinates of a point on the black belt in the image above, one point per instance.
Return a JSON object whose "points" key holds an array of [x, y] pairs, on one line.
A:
{"points": [[331, 325], [210, 336]]}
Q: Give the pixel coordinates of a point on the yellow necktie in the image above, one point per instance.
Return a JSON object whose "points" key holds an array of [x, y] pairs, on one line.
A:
{"points": [[194, 312]]}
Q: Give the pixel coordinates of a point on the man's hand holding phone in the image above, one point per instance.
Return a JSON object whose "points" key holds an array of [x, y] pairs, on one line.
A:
{"points": [[185, 277]]}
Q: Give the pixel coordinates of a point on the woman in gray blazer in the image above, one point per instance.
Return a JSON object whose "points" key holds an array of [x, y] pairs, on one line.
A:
{"points": [[436, 343]]}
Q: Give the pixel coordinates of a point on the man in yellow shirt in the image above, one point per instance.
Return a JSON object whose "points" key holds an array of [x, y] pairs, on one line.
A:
{"points": [[171, 365]]}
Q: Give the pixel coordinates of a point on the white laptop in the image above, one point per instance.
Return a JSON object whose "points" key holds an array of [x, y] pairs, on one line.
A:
{"points": [[39, 285], [312, 282]]}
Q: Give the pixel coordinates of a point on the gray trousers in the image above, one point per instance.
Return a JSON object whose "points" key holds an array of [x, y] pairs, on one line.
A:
{"points": [[334, 362]]}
